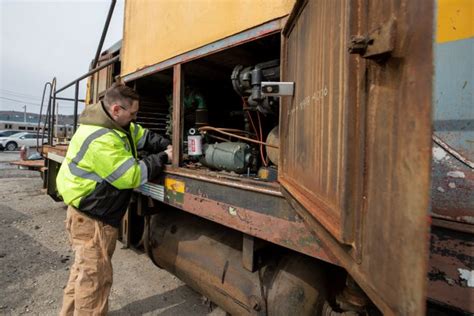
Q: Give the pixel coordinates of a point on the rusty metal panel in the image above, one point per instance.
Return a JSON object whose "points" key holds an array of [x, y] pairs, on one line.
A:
{"points": [[207, 257], [394, 97], [398, 157], [177, 115], [451, 266], [259, 214], [318, 126], [102, 79], [452, 187]]}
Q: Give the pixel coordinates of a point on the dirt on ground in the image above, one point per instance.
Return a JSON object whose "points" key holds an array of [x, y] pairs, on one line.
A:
{"points": [[35, 258]]}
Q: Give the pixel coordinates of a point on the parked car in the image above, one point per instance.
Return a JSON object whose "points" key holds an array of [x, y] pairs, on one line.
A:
{"points": [[20, 139], [7, 133]]}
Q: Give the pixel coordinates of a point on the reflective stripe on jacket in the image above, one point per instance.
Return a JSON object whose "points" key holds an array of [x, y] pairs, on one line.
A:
{"points": [[101, 168]]}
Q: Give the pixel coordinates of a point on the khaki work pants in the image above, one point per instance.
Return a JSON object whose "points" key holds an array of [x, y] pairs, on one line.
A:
{"points": [[90, 279]]}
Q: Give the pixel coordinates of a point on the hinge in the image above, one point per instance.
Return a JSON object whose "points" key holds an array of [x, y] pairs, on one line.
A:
{"points": [[379, 43]]}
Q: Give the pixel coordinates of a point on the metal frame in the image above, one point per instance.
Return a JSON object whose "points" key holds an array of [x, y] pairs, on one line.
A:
{"points": [[53, 96], [256, 214], [207, 196], [234, 40], [104, 33], [178, 95]]}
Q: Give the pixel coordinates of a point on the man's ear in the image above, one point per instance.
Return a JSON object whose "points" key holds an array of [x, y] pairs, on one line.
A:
{"points": [[114, 109]]}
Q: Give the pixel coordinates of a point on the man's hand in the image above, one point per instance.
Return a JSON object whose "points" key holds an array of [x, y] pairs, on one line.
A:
{"points": [[169, 152]]}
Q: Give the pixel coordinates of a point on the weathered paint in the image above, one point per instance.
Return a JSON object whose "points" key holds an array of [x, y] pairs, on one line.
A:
{"points": [[439, 154], [174, 185], [261, 215], [268, 188], [208, 257], [454, 75], [292, 235], [240, 38], [387, 165], [174, 191], [467, 275], [456, 174], [318, 131], [452, 187], [156, 30], [57, 149], [454, 20], [450, 274]]}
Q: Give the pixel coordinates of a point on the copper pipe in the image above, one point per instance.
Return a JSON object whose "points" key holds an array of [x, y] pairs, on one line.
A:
{"points": [[210, 128], [236, 131], [216, 137]]}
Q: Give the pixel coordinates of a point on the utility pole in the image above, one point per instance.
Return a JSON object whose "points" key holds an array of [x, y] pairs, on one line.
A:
{"points": [[24, 113]]}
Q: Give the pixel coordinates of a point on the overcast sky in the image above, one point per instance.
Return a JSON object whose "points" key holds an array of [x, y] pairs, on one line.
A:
{"points": [[45, 39]]}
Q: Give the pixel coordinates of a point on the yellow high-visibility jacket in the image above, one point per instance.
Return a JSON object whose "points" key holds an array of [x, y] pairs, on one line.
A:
{"points": [[101, 166]]}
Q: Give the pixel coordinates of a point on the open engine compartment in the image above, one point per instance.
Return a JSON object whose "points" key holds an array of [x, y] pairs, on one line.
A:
{"points": [[227, 125]]}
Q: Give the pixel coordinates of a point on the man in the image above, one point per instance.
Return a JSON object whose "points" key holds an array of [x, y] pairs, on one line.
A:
{"points": [[96, 180]]}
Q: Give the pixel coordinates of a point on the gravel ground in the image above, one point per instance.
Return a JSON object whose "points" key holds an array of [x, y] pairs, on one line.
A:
{"points": [[35, 259]]}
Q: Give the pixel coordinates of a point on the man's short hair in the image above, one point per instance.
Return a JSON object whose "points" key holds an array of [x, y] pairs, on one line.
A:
{"points": [[120, 94]]}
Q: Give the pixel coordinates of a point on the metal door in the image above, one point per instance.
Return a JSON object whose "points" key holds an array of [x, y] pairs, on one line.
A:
{"points": [[356, 138]]}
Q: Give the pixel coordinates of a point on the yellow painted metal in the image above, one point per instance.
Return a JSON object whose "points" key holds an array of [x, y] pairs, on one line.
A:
{"points": [[156, 30], [175, 185], [455, 20]]}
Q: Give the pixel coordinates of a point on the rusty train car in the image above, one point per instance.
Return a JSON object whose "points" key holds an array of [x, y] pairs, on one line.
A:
{"points": [[323, 151]]}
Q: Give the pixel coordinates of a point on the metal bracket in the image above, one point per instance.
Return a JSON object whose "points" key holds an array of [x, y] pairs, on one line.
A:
{"points": [[277, 89], [380, 42], [248, 251]]}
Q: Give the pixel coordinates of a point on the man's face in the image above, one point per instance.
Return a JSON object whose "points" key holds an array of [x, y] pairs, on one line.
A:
{"points": [[124, 116]]}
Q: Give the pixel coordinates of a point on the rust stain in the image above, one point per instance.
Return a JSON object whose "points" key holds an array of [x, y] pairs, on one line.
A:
{"points": [[451, 260], [321, 123], [452, 187], [293, 235]]}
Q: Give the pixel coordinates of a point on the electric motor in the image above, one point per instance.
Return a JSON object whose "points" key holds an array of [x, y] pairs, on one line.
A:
{"points": [[229, 156]]}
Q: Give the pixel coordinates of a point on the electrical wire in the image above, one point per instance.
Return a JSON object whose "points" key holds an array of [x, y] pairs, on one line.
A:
{"points": [[245, 107], [18, 94], [253, 125], [27, 102]]}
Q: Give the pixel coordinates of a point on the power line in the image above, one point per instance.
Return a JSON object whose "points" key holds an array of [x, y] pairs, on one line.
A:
{"points": [[29, 103], [20, 101], [8, 94], [20, 94]]}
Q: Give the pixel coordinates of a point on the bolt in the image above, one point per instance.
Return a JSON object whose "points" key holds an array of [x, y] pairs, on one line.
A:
{"points": [[358, 44], [254, 303]]}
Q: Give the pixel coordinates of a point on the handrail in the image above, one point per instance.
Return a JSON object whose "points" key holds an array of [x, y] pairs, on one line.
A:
{"points": [[40, 114], [91, 72], [50, 115], [51, 111], [104, 32]]}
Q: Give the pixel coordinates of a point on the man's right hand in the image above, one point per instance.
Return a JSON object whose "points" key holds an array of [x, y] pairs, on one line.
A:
{"points": [[169, 152]]}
